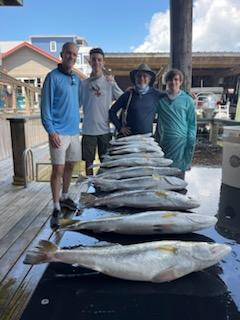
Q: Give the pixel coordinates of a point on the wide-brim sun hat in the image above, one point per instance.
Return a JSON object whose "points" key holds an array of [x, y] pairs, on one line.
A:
{"points": [[143, 68]]}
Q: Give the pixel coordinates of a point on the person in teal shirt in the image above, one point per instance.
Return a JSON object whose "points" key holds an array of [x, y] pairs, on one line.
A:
{"points": [[176, 128]]}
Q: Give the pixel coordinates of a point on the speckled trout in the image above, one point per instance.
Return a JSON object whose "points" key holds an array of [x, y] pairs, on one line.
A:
{"points": [[157, 261], [143, 140], [154, 182], [136, 137], [144, 223], [143, 144], [135, 148], [138, 171], [151, 155], [162, 200], [132, 162]]}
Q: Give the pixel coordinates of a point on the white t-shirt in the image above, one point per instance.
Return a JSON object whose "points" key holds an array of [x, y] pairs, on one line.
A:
{"points": [[96, 98]]}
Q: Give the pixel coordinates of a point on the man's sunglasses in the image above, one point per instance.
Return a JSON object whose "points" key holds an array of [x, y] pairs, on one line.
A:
{"points": [[73, 80]]}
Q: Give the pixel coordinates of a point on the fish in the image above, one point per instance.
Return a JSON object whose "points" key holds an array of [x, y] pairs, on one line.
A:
{"points": [[132, 162], [136, 137], [115, 143], [135, 148], [144, 223], [138, 171], [154, 182], [151, 155], [162, 200], [157, 261]]}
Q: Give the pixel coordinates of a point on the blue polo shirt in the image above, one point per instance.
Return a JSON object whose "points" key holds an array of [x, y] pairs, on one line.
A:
{"points": [[60, 103]]}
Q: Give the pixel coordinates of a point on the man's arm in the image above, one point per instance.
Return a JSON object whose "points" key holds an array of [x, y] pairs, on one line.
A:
{"points": [[119, 104], [192, 129], [46, 111], [116, 91], [47, 103]]}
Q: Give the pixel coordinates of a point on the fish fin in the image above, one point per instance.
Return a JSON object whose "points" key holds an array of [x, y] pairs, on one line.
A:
{"points": [[168, 248], [43, 253], [156, 177], [169, 215], [162, 228], [67, 223], [161, 193], [94, 166], [87, 199], [108, 244], [81, 179], [165, 276]]}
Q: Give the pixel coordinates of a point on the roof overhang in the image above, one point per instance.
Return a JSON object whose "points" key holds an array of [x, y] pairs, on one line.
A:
{"points": [[11, 2], [227, 63]]}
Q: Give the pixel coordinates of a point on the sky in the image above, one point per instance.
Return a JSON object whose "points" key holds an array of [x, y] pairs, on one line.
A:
{"points": [[124, 25]]}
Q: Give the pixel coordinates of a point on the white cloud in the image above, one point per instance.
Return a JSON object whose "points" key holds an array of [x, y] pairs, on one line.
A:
{"points": [[216, 27]]}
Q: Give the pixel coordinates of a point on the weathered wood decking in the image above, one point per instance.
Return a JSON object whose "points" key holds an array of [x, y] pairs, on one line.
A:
{"points": [[24, 220]]}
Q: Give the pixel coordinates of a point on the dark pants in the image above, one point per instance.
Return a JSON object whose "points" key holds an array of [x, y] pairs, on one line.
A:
{"points": [[90, 143]]}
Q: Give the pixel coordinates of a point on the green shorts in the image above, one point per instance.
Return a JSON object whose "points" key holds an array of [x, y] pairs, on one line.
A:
{"points": [[91, 143]]}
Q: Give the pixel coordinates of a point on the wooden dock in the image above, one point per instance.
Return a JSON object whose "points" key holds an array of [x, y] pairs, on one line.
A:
{"points": [[24, 220]]}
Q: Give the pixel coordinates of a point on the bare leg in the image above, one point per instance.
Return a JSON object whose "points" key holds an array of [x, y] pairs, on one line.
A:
{"points": [[67, 175], [56, 181], [88, 170]]}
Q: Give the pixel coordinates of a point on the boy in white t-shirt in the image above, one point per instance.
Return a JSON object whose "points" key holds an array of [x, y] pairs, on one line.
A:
{"points": [[97, 94]]}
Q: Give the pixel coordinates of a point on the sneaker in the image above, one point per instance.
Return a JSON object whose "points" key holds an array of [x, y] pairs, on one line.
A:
{"points": [[69, 204], [54, 221]]}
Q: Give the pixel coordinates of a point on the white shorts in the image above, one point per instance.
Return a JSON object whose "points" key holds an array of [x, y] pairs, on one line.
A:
{"points": [[69, 150]]}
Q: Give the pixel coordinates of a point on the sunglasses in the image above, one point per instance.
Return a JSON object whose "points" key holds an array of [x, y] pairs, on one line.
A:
{"points": [[73, 80]]}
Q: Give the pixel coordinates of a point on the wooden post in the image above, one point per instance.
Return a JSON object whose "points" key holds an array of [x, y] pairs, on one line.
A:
{"points": [[213, 134], [181, 38], [27, 100], [18, 136]]}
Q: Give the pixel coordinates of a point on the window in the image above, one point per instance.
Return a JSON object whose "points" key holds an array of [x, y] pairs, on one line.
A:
{"points": [[39, 82], [53, 46]]}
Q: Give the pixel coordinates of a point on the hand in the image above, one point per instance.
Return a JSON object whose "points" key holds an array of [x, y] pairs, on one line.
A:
{"points": [[55, 140], [125, 131], [110, 78]]}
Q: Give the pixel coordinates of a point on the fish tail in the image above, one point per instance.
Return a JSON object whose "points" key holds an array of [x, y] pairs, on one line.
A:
{"points": [[69, 224], [88, 199], [82, 179], [43, 252], [96, 165]]}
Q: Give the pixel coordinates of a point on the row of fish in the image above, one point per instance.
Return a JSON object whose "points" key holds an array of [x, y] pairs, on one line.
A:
{"points": [[156, 261], [163, 200], [144, 223], [135, 174]]}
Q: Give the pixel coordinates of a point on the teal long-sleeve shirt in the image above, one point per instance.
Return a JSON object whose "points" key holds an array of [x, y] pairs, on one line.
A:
{"points": [[177, 129], [60, 103]]}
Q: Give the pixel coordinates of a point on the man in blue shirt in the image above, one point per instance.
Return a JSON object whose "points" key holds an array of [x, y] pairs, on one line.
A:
{"points": [[60, 117]]}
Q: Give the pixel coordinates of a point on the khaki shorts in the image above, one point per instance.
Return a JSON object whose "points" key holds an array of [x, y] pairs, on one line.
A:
{"points": [[69, 150]]}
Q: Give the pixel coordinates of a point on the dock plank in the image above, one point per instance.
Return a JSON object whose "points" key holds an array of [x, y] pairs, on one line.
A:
{"points": [[12, 212], [13, 233], [18, 281], [17, 286]]}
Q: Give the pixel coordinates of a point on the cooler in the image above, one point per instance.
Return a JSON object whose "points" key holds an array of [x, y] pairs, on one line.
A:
{"points": [[231, 156]]}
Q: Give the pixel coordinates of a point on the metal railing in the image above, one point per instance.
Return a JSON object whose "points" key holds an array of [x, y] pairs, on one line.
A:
{"points": [[28, 166]]}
